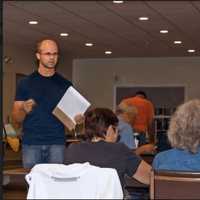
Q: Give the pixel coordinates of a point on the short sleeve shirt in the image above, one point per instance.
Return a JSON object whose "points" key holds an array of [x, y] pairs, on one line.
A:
{"points": [[41, 127], [126, 134], [177, 159], [104, 154]]}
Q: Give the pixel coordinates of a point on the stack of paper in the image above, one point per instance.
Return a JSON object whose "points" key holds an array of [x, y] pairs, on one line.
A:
{"points": [[70, 105]]}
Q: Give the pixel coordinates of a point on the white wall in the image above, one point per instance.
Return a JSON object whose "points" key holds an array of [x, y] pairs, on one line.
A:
{"points": [[23, 61], [96, 78]]}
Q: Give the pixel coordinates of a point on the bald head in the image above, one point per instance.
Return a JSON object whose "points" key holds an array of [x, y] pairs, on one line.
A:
{"points": [[47, 55], [44, 43]]}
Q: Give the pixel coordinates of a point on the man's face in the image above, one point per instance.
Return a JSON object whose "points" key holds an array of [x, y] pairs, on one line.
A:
{"points": [[48, 54]]}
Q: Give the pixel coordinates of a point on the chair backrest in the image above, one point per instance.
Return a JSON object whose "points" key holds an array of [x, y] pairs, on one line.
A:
{"points": [[175, 185], [74, 181]]}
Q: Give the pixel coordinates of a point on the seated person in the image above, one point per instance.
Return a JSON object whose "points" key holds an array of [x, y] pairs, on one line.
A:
{"points": [[184, 137], [100, 126], [126, 114]]}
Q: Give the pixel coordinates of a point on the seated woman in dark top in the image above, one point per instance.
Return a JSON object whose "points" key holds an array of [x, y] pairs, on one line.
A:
{"points": [[100, 127], [184, 136]]}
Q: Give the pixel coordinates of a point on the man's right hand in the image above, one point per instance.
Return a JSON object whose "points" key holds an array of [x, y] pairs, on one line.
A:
{"points": [[28, 105]]}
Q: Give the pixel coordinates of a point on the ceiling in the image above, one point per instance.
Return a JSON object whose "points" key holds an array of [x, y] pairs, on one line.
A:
{"points": [[109, 26]]}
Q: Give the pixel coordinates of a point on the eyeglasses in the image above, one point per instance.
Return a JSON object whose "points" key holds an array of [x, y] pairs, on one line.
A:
{"points": [[49, 54]]}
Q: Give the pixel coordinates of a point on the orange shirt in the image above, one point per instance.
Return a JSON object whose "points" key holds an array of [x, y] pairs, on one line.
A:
{"points": [[145, 114]]}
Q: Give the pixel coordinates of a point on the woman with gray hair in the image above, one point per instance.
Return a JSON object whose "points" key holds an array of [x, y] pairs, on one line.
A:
{"points": [[184, 136]]}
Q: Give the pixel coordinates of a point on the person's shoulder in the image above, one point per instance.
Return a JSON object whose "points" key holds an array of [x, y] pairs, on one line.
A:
{"points": [[165, 154], [79, 145], [149, 102], [121, 147], [62, 79], [74, 147], [122, 124], [127, 100], [32, 75], [111, 145], [27, 78], [124, 127]]}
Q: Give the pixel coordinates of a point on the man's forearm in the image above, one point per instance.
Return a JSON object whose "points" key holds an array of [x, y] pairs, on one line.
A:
{"points": [[18, 116]]}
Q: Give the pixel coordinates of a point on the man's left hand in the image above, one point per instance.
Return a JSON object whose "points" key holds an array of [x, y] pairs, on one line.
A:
{"points": [[79, 119]]}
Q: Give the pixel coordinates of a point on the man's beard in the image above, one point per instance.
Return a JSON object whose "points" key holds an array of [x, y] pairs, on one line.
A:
{"points": [[49, 67]]}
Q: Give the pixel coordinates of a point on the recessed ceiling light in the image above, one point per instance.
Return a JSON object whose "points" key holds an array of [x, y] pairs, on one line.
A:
{"points": [[33, 22], [108, 52], [118, 1], [88, 44], [191, 50], [177, 42], [164, 31], [64, 34], [143, 18]]}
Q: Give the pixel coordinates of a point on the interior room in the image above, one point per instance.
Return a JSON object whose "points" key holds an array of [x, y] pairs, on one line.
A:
{"points": [[108, 50]]}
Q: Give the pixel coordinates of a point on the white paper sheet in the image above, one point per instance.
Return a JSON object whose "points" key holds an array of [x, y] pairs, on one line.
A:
{"points": [[73, 103]]}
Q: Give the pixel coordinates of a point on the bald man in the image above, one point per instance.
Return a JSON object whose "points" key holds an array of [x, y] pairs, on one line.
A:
{"points": [[43, 138]]}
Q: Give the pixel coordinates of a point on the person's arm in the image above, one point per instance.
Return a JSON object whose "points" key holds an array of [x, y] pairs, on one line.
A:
{"points": [[142, 173], [146, 148], [20, 110], [126, 136]]}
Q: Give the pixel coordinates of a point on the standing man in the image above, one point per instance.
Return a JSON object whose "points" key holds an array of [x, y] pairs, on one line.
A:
{"points": [[43, 139], [143, 123]]}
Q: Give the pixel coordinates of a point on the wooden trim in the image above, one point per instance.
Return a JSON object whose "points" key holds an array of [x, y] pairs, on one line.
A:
{"points": [[152, 187], [18, 171], [171, 178]]}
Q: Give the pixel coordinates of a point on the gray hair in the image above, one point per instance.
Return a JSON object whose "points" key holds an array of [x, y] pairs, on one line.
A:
{"points": [[184, 128]]}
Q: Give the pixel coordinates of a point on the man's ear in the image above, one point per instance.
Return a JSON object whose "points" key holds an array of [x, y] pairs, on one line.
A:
{"points": [[37, 56]]}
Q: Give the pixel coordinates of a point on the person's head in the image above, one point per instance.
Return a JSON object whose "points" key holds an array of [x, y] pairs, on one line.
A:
{"points": [[184, 128], [97, 122], [127, 112], [141, 94], [47, 53]]}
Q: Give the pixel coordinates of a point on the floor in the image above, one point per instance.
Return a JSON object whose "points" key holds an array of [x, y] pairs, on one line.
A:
{"points": [[17, 188]]}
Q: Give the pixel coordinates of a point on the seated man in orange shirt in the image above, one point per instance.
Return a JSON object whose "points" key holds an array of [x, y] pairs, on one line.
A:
{"points": [[144, 118]]}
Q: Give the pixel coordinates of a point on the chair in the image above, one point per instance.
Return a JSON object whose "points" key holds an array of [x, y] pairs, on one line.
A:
{"points": [[135, 189], [175, 185], [74, 181], [14, 184]]}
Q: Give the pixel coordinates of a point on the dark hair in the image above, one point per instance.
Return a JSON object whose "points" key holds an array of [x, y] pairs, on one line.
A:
{"points": [[97, 122], [140, 92]]}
